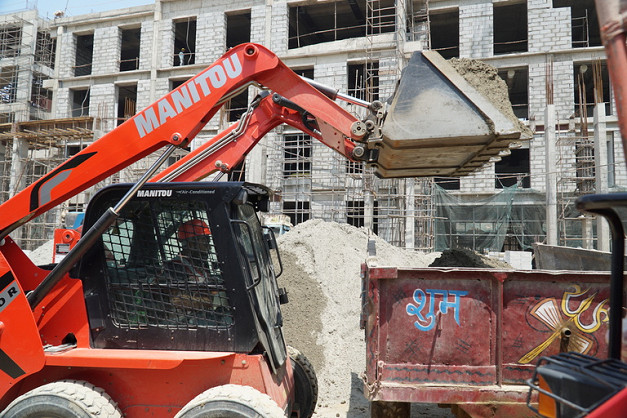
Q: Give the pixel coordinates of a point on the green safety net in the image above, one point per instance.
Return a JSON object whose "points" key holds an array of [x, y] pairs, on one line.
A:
{"points": [[513, 219], [506, 220]]}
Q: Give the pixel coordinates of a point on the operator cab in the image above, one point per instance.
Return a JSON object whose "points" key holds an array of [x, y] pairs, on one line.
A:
{"points": [[186, 266]]}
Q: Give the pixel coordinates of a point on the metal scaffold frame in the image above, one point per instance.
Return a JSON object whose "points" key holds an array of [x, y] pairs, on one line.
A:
{"points": [[30, 150]]}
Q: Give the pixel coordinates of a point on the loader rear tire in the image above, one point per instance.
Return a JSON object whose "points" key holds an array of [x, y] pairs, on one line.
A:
{"points": [[63, 399], [305, 383], [232, 401]]}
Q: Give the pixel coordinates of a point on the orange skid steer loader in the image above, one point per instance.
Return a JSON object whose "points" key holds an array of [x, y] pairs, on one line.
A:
{"points": [[146, 317]]}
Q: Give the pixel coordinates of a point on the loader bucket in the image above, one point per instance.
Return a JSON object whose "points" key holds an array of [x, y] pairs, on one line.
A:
{"points": [[439, 125]]}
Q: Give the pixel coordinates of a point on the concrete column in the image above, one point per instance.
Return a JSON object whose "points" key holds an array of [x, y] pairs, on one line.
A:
{"points": [[551, 175], [586, 232], [154, 62], [19, 153], [256, 163], [600, 172], [267, 36], [368, 210], [410, 211]]}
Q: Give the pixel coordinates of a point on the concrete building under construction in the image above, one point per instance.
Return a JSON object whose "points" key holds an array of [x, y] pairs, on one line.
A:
{"points": [[65, 82]]}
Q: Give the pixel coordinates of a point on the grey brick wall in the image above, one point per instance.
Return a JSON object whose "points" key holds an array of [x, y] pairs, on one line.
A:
{"points": [[210, 36], [107, 44], [146, 45], [166, 47], [481, 181], [549, 29], [258, 24], [63, 102], [476, 32], [279, 23], [66, 49]]}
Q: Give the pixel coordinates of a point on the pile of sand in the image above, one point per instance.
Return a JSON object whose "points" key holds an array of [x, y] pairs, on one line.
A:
{"points": [[486, 80], [322, 276], [43, 254]]}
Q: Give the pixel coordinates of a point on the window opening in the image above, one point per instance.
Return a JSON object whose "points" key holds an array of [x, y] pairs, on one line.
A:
{"points": [[40, 98], [381, 16], [584, 22], [238, 173], [71, 149], [45, 49], [237, 106], [8, 84], [237, 28], [296, 156], [517, 80], [84, 54], [584, 165], [361, 87], [298, 211], [445, 33], [177, 83], [587, 81], [185, 42], [127, 102], [448, 183], [129, 52], [354, 167], [7, 117], [80, 103], [513, 170], [10, 41], [332, 21], [510, 28], [356, 214], [305, 72]]}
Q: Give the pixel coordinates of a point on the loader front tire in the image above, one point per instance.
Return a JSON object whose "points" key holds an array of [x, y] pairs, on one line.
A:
{"points": [[232, 401], [305, 383], [63, 399]]}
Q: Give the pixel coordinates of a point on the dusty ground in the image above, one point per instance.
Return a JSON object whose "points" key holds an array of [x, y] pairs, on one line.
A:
{"points": [[322, 265]]}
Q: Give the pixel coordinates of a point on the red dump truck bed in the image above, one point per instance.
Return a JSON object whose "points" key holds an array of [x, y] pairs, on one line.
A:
{"points": [[471, 337]]}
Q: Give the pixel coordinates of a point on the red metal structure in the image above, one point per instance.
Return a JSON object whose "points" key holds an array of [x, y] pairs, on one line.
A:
{"points": [[470, 337]]}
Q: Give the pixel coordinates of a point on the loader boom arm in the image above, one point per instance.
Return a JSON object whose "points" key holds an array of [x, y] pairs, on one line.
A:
{"points": [[178, 117], [230, 147]]}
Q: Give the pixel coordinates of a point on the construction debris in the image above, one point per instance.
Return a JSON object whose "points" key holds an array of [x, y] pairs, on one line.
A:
{"points": [[464, 257]]}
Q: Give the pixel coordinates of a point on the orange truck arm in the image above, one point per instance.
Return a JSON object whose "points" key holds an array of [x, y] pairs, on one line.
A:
{"points": [[177, 118], [230, 147]]}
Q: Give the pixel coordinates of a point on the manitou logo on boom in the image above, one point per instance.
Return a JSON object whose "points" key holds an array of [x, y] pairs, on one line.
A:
{"points": [[188, 94], [154, 193]]}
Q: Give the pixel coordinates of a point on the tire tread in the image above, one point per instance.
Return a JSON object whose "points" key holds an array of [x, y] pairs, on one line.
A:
{"points": [[260, 402], [93, 400]]}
